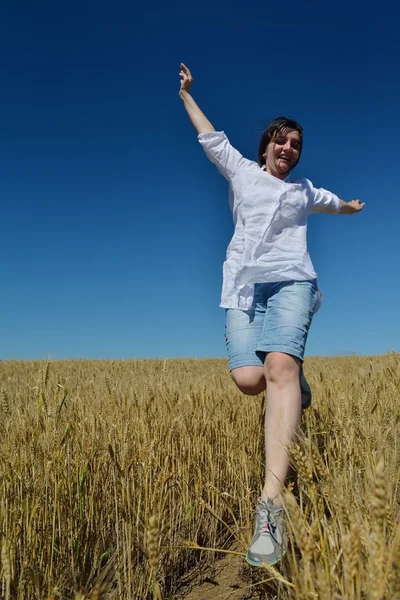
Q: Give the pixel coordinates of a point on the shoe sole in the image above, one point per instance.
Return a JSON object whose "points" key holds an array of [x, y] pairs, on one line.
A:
{"points": [[259, 564]]}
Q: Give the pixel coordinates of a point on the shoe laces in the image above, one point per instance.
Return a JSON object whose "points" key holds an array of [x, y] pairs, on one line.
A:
{"points": [[267, 521]]}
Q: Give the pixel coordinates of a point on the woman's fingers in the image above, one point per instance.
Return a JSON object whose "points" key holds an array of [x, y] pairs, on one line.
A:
{"points": [[186, 70], [186, 77], [357, 205]]}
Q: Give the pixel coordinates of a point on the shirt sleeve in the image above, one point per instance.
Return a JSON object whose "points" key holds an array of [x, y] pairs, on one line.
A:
{"points": [[323, 201], [218, 149]]}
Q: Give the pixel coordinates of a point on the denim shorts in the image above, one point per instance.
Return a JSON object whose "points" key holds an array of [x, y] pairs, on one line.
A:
{"points": [[278, 321]]}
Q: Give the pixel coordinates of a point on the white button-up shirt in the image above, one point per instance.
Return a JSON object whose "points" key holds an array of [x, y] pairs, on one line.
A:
{"points": [[269, 243]]}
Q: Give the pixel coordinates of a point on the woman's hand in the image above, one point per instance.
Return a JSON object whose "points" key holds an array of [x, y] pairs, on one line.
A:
{"points": [[349, 208], [198, 118], [356, 205], [186, 78]]}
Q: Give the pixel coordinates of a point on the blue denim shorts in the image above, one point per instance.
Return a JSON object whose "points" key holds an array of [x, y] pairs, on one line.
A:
{"points": [[278, 321]]}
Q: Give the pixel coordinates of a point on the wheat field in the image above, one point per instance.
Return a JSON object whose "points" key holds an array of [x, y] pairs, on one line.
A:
{"points": [[126, 479]]}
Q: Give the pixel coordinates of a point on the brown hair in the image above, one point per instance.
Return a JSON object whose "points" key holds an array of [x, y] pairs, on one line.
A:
{"points": [[276, 127]]}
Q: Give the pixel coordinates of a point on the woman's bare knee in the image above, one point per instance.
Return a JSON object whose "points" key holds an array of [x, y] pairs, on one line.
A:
{"points": [[249, 380], [280, 367]]}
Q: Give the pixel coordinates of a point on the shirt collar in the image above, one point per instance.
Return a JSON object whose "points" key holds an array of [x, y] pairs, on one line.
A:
{"points": [[264, 168]]}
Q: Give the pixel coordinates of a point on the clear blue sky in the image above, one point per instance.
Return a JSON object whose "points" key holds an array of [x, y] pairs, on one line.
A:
{"points": [[114, 225]]}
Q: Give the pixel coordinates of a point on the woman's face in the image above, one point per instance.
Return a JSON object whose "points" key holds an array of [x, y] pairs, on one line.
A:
{"points": [[282, 153]]}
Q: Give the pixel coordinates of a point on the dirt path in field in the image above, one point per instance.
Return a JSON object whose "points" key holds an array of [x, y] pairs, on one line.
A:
{"points": [[230, 579]]}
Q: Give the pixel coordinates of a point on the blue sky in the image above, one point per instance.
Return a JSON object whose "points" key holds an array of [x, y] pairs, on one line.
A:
{"points": [[114, 224]]}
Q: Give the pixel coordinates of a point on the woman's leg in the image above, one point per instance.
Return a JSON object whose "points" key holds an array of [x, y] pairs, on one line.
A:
{"points": [[249, 380], [282, 415], [288, 318], [282, 419], [242, 335]]}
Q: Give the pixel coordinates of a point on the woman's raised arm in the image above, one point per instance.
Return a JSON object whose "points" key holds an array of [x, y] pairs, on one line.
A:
{"points": [[198, 118]]}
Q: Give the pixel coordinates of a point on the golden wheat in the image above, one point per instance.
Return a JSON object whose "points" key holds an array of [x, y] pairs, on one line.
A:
{"points": [[116, 476]]}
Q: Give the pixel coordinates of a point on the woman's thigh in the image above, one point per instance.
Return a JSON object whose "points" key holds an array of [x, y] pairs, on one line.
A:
{"points": [[290, 310], [243, 331]]}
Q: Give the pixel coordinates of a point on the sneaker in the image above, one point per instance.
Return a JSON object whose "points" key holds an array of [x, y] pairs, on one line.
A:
{"points": [[306, 395], [269, 540]]}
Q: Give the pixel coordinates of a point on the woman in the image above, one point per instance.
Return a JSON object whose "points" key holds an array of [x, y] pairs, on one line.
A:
{"points": [[270, 291]]}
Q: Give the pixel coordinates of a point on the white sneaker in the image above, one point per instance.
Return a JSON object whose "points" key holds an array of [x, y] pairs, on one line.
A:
{"points": [[269, 541]]}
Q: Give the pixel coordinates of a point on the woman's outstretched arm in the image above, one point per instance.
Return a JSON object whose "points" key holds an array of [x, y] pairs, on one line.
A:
{"points": [[198, 118], [326, 202]]}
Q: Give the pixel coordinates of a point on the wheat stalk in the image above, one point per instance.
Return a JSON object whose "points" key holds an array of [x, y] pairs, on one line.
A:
{"points": [[5, 403], [153, 550], [7, 570]]}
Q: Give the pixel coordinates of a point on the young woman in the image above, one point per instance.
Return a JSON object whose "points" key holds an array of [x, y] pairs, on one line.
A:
{"points": [[270, 291]]}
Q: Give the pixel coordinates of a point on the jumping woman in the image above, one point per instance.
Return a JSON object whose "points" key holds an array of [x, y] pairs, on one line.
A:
{"points": [[270, 292]]}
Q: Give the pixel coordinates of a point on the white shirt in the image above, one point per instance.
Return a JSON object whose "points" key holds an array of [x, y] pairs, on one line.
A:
{"points": [[269, 243]]}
